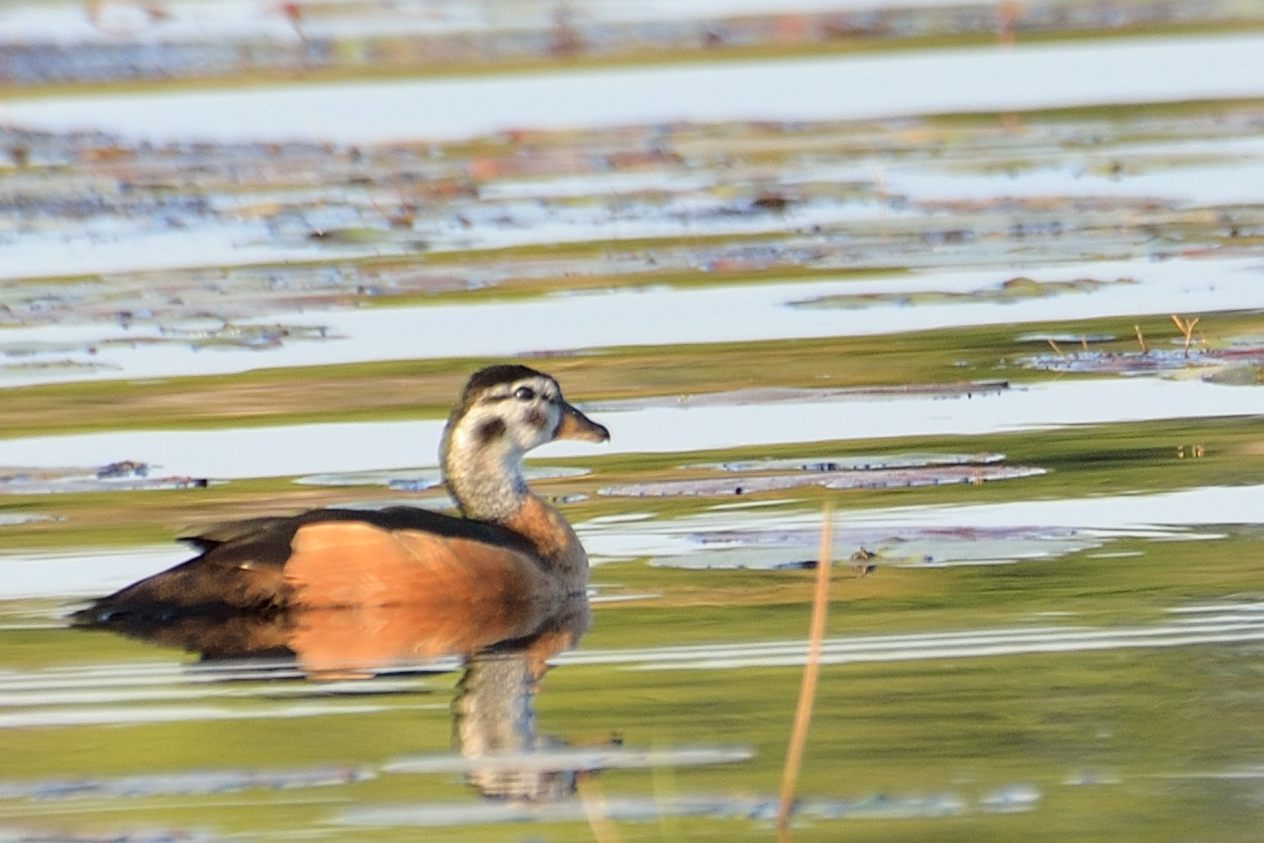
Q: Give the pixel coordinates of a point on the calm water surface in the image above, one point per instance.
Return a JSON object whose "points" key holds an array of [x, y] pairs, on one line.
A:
{"points": [[1046, 616]]}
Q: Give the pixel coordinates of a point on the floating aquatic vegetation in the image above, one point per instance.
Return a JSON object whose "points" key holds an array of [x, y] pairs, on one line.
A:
{"points": [[125, 476], [114, 42], [56, 366], [1231, 365], [899, 471], [847, 479], [404, 480], [870, 462], [788, 537], [236, 335], [1012, 290], [780, 395], [866, 549], [201, 242]]}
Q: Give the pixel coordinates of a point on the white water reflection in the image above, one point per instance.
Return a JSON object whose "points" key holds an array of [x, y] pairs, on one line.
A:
{"points": [[1231, 627], [135, 715], [529, 223], [297, 450], [570, 758], [82, 247], [1206, 171], [1212, 171], [1030, 527], [82, 573], [179, 783], [88, 251], [1051, 527], [1205, 505], [632, 809], [1230, 183], [652, 316], [184, 21], [984, 79], [24, 690]]}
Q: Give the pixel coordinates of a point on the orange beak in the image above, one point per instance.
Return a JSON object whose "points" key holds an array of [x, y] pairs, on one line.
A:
{"points": [[576, 425]]}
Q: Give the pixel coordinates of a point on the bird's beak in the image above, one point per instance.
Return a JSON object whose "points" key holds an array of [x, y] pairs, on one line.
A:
{"points": [[576, 425]]}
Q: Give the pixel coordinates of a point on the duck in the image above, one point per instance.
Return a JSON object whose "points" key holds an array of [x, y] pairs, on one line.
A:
{"points": [[508, 555]]}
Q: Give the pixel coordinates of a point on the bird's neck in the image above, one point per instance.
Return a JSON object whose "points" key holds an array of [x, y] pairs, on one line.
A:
{"points": [[486, 483]]}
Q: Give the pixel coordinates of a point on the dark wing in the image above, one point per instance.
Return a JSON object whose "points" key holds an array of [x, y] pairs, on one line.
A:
{"points": [[271, 535], [246, 565]]}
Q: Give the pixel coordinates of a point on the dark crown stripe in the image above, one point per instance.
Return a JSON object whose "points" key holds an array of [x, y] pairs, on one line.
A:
{"points": [[497, 375]]}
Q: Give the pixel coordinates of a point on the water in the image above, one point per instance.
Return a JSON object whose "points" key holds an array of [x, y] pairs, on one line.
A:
{"points": [[1045, 612], [797, 89], [651, 316], [683, 427]]}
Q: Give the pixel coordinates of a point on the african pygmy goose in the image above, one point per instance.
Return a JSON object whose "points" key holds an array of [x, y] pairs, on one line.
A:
{"points": [[510, 550]]}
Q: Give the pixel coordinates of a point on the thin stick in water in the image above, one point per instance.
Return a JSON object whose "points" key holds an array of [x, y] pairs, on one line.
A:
{"points": [[812, 667], [1186, 327]]}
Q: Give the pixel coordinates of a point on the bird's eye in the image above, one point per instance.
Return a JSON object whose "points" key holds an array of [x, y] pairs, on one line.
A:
{"points": [[524, 393]]}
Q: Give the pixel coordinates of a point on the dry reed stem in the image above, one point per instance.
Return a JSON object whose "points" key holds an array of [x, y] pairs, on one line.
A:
{"points": [[1140, 338], [1054, 346], [1186, 327], [811, 668]]}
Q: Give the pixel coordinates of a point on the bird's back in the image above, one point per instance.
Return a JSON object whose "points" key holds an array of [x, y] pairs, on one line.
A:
{"points": [[335, 557]]}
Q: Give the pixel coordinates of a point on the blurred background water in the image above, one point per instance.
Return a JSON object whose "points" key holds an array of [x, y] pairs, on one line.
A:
{"points": [[984, 277]]}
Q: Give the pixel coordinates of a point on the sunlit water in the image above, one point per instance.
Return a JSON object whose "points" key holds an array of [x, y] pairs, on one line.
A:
{"points": [[729, 538], [681, 427], [1063, 661], [987, 79], [644, 316]]}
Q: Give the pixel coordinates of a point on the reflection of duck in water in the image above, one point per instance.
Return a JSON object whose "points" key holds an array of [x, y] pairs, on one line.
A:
{"points": [[493, 713], [511, 552], [493, 717]]}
